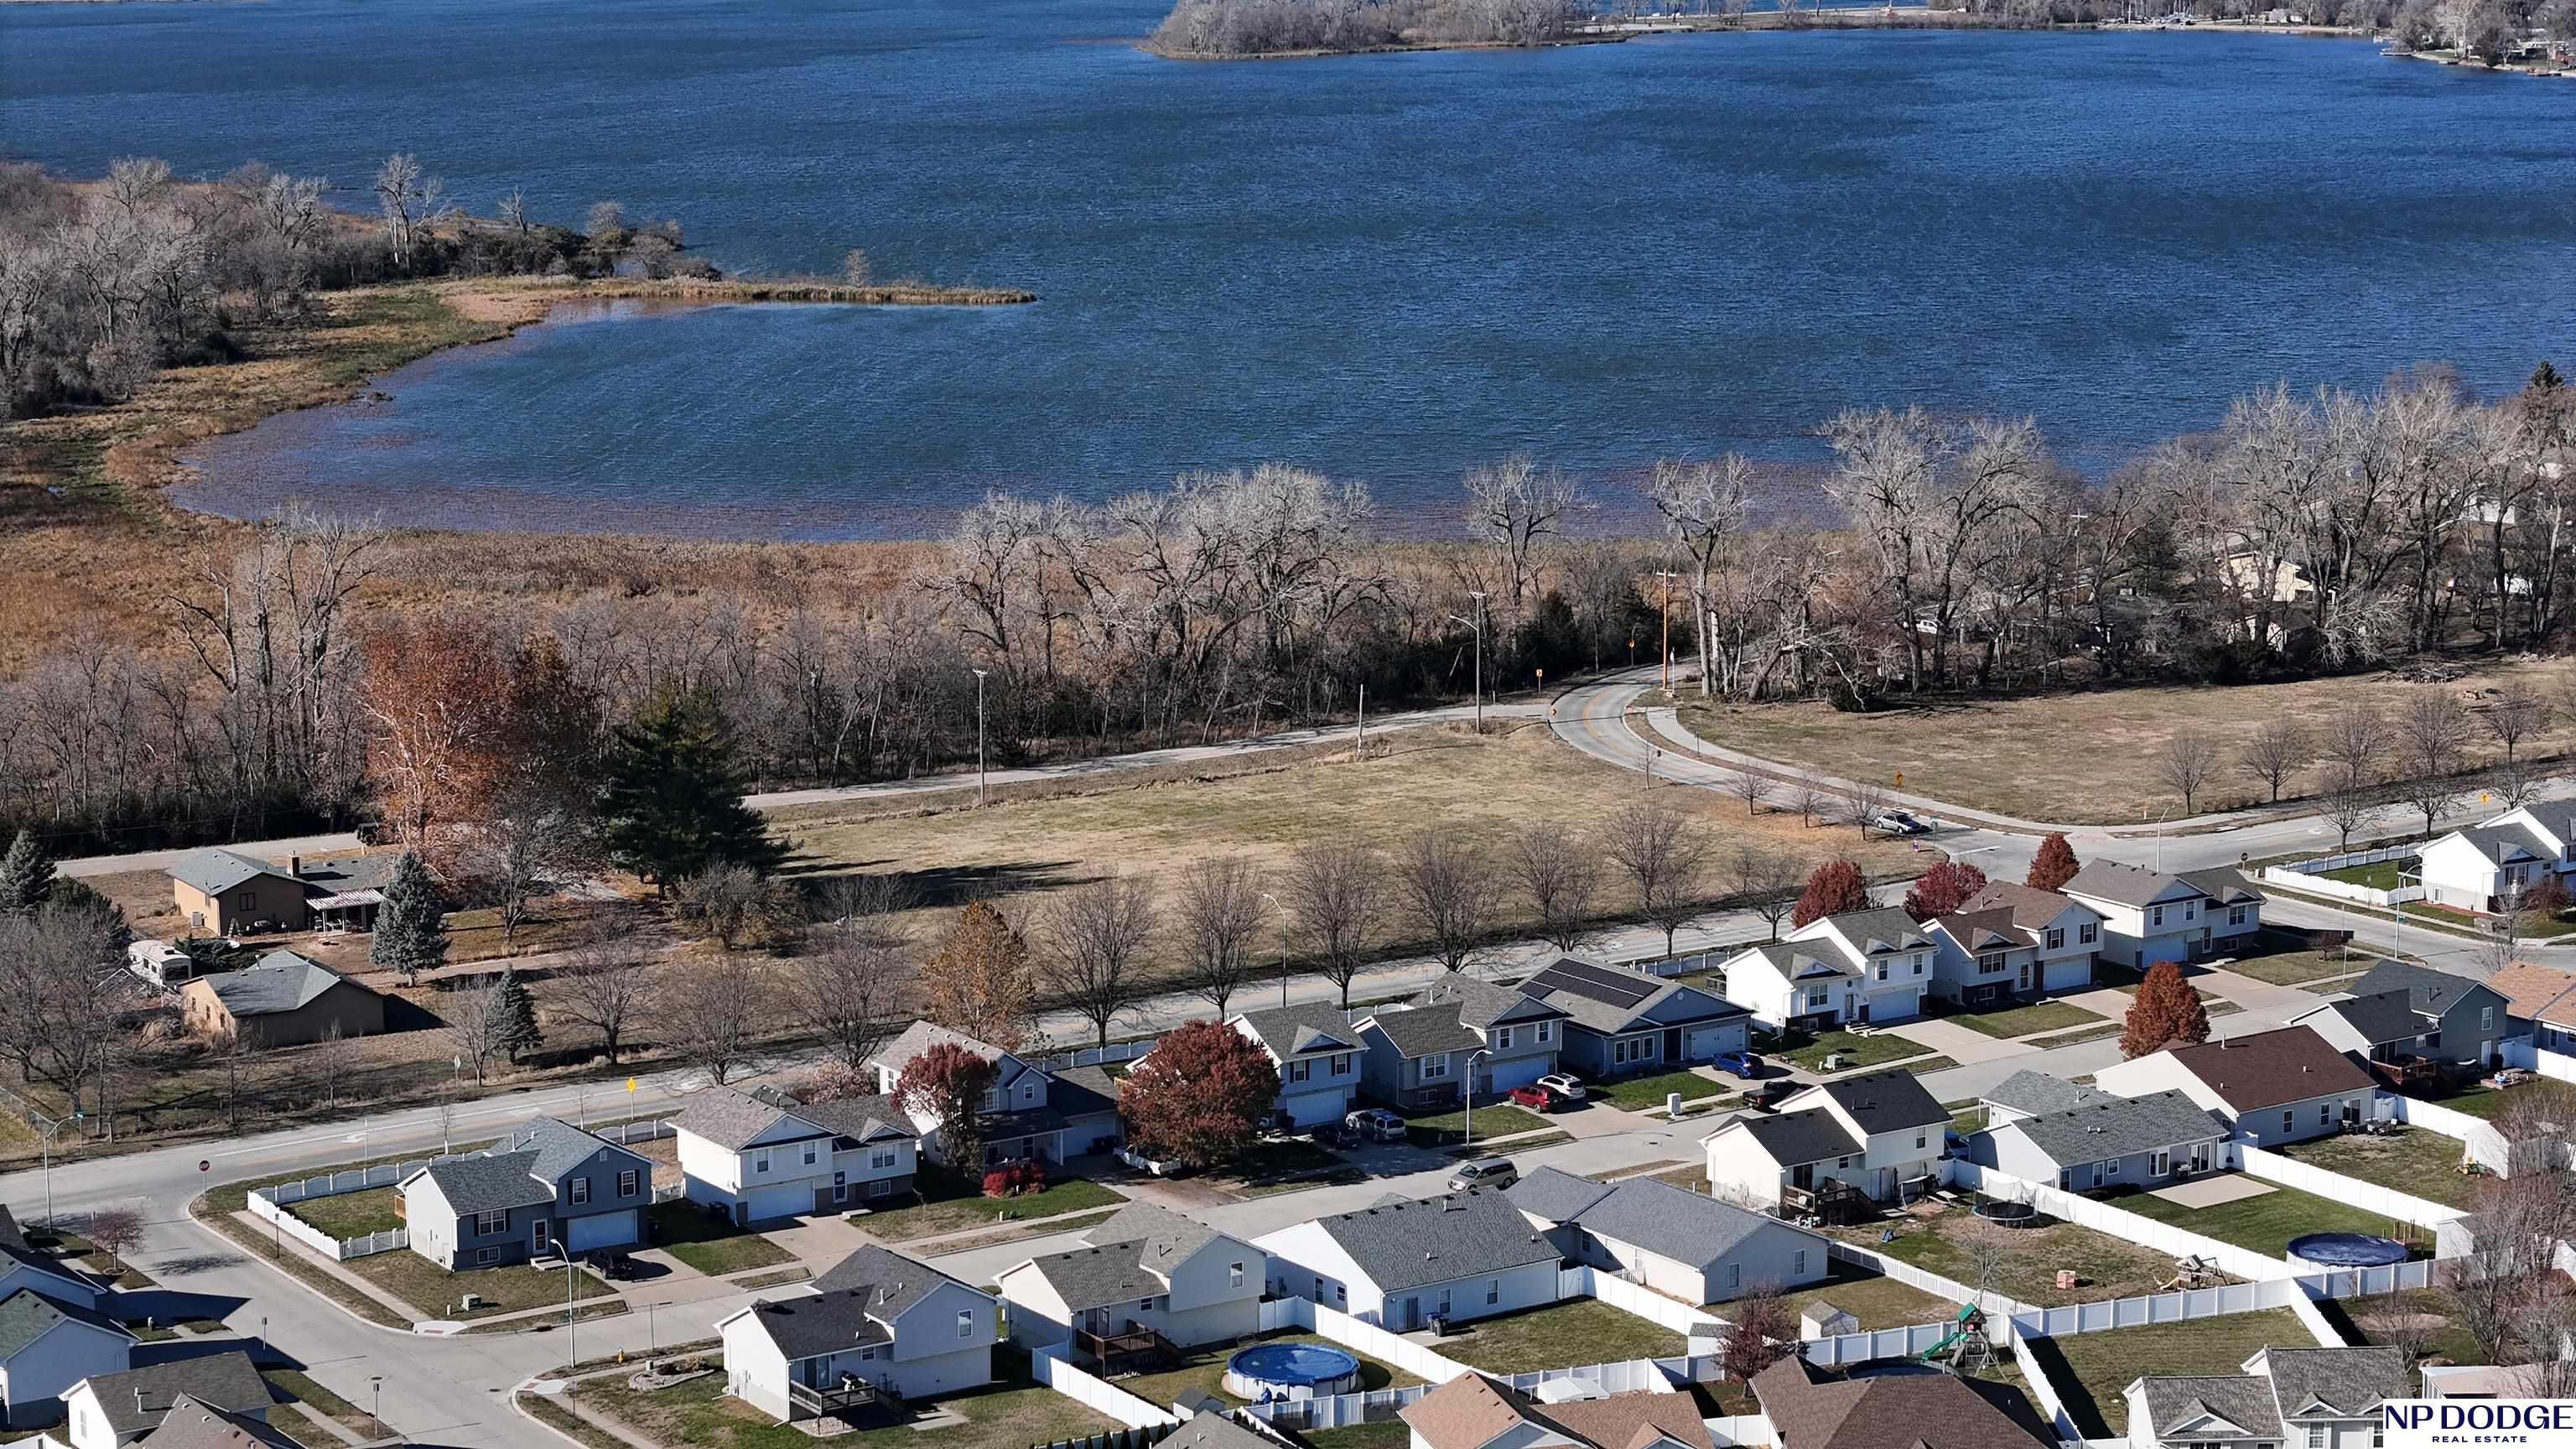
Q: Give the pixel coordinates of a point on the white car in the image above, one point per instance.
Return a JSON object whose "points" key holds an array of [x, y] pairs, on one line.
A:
{"points": [[1376, 1124], [1899, 822], [1563, 1084], [1139, 1161]]}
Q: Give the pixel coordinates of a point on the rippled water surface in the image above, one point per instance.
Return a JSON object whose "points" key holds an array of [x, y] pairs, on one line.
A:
{"points": [[1387, 266]]}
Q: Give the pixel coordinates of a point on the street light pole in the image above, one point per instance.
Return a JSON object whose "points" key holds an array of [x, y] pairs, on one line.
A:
{"points": [[1470, 1085], [1477, 627], [1283, 944], [979, 736], [1667, 576], [376, 1386]]}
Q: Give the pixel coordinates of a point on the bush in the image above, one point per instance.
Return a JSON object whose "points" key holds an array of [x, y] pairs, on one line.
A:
{"points": [[1016, 1179]]}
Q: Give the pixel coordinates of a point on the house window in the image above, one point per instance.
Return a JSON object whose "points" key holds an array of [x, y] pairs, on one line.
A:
{"points": [[760, 1161], [1545, 1034], [840, 1187], [2107, 1167], [867, 1355], [2236, 915], [1029, 1093], [487, 1256], [881, 1187], [1435, 1067], [487, 1224], [1918, 1141], [2187, 912], [1918, 963], [1815, 996], [2316, 1436], [1502, 1039], [2325, 1114], [1990, 963], [2084, 935], [1841, 1162], [2432, 1041], [2155, 915], [1341, 1064], [1298, 1071], [1493, 1291], [626, 1183], [2486, 1018], [2056, 937], [580, 1190], [1234, 1275], [2289, 1121], [1882, 971], [883, 1157], [1734, 1276], [966, 1323], [1341, 1295], [1798, 1261], [809, 1154], [2162, 1164]]}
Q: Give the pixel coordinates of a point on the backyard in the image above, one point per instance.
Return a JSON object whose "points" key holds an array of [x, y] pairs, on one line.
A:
{"points": [[2414, 1161], [2381, 875], [2264, 1223], [1937, 1238], [2091, 1369], [711, 1244], [1206, 1371], [2423, 1321], [351, 1214], [951, 1205], [1567, 1334], [1877, 1300], [699, 1414]]}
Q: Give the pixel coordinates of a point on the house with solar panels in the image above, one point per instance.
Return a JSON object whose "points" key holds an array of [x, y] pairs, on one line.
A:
{"points": [[1318, 1053], [1620, 1022]]}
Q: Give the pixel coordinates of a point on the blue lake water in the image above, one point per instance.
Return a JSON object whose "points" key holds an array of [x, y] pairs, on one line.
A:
{"points": [[1389, 267]]}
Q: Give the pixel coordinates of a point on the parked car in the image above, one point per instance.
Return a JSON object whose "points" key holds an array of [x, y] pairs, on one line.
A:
{"points": [[1900, 822], [1767, 1097], [1334, 1134], [1496, 1172], [1534, 1097], [1375, 1124], [1742, 1064], [1155, 1166], [1564, 1084]]}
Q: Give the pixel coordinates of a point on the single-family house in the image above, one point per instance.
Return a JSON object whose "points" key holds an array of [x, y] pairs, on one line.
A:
{"points": [[22, 1266], [1472, 1411], [1400, 1263], [1029, 1112], [49, 1344], [1424, 1052], [2028, 1093], [1620, 1022], [1215, 1428], [2492, 864], [1674, 1241], [761, 1154], [2539, 1002], [1145, 1271], [226, 893], [189, 1424], [2123, 1142], [1981, 959], [547, 1188], [2285, 1398], [2065, 933], [1318, 1053], [104, 1411], [877, 1323], [1874, 1135], [1816, 1408], [2149, 916], [2406, 1022], [284, 999], [1845, 970], [2284, 1085]]}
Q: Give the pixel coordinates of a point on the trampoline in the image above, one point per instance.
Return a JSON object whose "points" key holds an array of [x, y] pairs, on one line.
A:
{"points": [[2008, 1214], [2348, 1250], [1271, 1371]]}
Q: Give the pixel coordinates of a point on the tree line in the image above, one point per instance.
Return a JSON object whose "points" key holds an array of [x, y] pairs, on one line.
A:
{"points": [[1269, 27]]}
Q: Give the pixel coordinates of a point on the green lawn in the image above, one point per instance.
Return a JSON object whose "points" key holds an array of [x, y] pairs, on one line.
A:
{"points": [[1576, 1331], [710, 1244], [2103, 1032], [162, 1332], [2423, 1321], [1876, 1300], [303, 1390], [953, 1206], [2024, 1020], [697, 1414], [2415, 1161], [435, 1291], [1449, 1129], [2290, 968], [1920, 1066], [2264, 1224], [1206, 1371], [1859, 1052], [2480, 1101], [2091, 1369], [1646, 1093], [2106, 1267], [2385, 875], [351, 1214]]}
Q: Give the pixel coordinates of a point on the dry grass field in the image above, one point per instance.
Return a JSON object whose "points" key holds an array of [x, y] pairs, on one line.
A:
{"points": [[2087, 758]]}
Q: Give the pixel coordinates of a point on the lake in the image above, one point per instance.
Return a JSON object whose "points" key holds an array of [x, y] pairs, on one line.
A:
{"points": [[1388, 267]]}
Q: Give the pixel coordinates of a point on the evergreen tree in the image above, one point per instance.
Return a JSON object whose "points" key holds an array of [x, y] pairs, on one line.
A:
{"points": [[26, 874], [411, 926], [72, 895], [514, 1017], [674, 801], [2054, 865]]}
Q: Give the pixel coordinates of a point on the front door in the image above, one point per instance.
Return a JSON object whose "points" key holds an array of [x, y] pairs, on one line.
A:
{"points": [[1861, 1012], [537, 1237], [1673, 1044], [1401, 1313]]}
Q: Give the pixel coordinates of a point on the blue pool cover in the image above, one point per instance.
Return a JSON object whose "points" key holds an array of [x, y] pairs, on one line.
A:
{"points": [[1292, 1363], [2348, 1250]]}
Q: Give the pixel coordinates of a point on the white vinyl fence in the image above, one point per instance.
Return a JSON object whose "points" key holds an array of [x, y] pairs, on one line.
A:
{"points": [[1097, 1056], [1691, 1323], [627, 1134], [2486, 1145], [1049, 1366], [1631, 1376], [2370, 1197], [1923, 1278], [2310, 876], [1366, 1338], [271, 1204], [2043, 1393], [1750, 1430]]}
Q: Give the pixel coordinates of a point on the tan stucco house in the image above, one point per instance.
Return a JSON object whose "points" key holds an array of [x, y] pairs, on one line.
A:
{"points": [[225, 893], [285, 1000]]}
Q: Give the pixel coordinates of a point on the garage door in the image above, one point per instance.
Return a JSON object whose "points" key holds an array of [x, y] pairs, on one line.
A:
{"points": [[600, 1230], [1308, 1109], [786, 1200], [1520, 1073]]}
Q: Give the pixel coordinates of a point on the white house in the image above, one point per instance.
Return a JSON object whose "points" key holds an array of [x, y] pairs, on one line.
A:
{"points": [[877, 1320], [46, 1346], [2286, 1397], [2481, 867], [2149, 916], [105, 1411], [1858, 967], [1318, 1053], [2064, 935], [1674, 1241], [1029, 1112], [21, 1266], [1875, 1133], [2284, 1085], [2115, 1142], [762, 1154], [1144, 1270], [1400, 1263]]}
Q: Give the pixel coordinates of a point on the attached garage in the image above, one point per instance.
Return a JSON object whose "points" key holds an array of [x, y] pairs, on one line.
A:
{"points": [[1521, 1071], [783, 1200], [601, 1230], [1311, 1109]]}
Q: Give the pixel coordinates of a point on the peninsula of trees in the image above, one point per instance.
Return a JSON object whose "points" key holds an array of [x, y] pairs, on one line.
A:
{"points": [[1234, 29]]}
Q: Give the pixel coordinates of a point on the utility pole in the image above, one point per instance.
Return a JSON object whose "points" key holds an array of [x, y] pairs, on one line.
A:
{"points": [[1359, 749], [1283, 944], [979, 736], [1477, 626], [1667, 576]]}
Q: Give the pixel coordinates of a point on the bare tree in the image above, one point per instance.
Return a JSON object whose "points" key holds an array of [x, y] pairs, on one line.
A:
{"points": [[1514, 509], [1664, 853], [1336, 889], [443, 1108], [2356, 744], [1765, 881], [332, 1059], [2278, 750], [1560, 877], [1862, 807], [1812, 801], [714, 1015], [1450, 887], [602, 977], [1090, 939], [1705, 508], [410, 202], [1752, 787], [1986, 1250], [2349, 802], [1220, 918], [2433, 731], [473, 1018], [115, 1230], [722, 902], [2517, 713], [850, 982], [2518, 1222], [2189, 762]]}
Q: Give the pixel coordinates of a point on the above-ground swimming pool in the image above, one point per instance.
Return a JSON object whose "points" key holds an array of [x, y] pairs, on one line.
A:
{"points": [[1291, 1371], [2347, 1250]]}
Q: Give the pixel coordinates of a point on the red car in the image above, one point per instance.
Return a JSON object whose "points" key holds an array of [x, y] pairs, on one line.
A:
{"points": [[1537, 1099]]}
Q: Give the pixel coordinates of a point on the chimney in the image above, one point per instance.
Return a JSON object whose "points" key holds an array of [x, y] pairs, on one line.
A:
{"points": [[295, 866]]}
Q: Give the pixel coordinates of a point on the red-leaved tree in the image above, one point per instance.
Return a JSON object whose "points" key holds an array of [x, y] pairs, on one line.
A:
{"points": [[948, 1083], [1943, 889], [1200, 1096], [2166, 1010], [2055, 864], [1832, 888], [1763, 1333]]}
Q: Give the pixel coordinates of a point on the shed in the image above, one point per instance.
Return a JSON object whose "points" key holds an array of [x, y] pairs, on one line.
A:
{"points": [[1824, 1320]]}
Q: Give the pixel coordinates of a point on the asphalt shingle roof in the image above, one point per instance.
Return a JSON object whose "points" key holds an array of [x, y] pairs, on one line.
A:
{"points": [[920, 1037], [1167, 1237], [1795, 1137], [1482, 1004], [2427, 990], [2173, 1401], [1579, 994], [1427, 1031], [1884, 928], [280, 981], [28, 1315], [489, 1182], [2118, 1127], [1555, 1194], [216, 870], [897, 1280], [1210, 1429], [2037, 1092], [2223, 884], [2350, 1381], [2507, 843], [1402, 1245], [2031, 907], [192, 1425], [855, 1302], [1799, 960], [135, 1400], [2382, 1016], [1814, 1408], [1987, 929], [1674, 1223], [1293, 1031], [730, 1117], [2129, 885], [1886, 1101], [2267, 1068], [2536, 993]]}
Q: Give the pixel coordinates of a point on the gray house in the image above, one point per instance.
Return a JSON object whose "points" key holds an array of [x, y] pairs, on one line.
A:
{"points": [[1679, 1243], [2407, 1022], [1318, 1053], [2032, 1094], [2119, 1142], [1420, 1054], [1621, 1022], [548, 1187]]}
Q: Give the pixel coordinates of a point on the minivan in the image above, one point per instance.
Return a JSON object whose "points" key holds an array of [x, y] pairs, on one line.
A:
{"points": [[1485, 1172]]}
